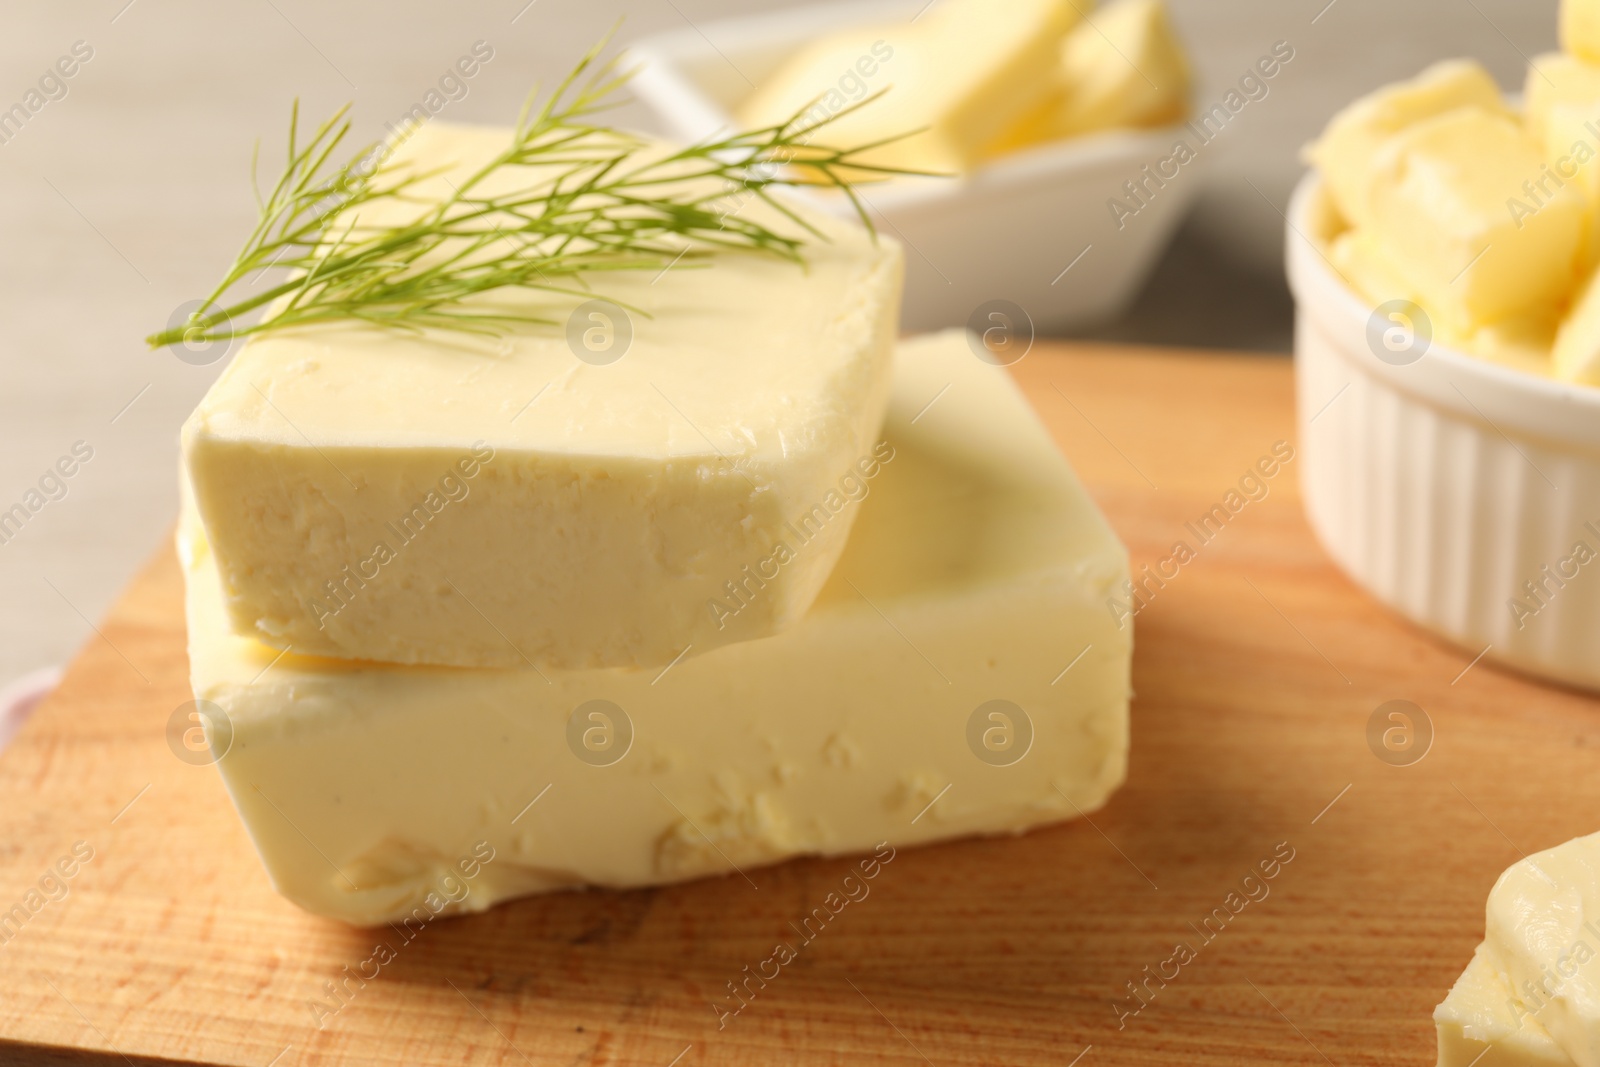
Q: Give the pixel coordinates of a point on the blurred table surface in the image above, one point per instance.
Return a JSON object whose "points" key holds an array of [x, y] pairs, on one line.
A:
{"points": [[127, 196]]}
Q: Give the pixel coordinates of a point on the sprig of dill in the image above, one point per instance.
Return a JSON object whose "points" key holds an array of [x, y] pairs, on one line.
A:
{"points": [[595, 199]]}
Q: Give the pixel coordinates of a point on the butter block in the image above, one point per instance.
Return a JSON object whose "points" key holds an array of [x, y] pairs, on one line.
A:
{"points": [[1543, 925], [1440, 203], [1350, 147], [959, 74], [1576, 353], [586, 494], [979, 571], [1122, 67], [1482, 1021], [1579, 29]]}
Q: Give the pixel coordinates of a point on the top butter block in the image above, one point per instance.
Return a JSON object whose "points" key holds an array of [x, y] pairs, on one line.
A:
{"points": [[620, 490]]}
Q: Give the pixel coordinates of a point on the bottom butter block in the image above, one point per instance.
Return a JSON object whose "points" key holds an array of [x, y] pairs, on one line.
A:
{"points": [[961, 673]]}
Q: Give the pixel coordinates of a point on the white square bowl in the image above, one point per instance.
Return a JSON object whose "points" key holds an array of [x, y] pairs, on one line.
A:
{"points": [[1034, 228]]}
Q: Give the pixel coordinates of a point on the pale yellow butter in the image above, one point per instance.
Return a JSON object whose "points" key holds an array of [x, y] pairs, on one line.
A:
{"points": [[1543, 929], [1576, 354], [959, 74], [1349, 149], [1482, 1021], [1439, 203], [519, 501], [1358, 259], [1121, 67], [1561, 101], [1531, 995], [1521, 342], [979, 571], [1556, 80], [1580, 29]]}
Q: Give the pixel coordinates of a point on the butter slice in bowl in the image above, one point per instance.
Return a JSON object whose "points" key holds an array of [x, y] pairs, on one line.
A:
{"points": [[977, 572], [1437, 199], [1349, 149], [955, 78], [1580, 28], [610, 490], [1424, 171], [1561, 103], [1122, 68]]}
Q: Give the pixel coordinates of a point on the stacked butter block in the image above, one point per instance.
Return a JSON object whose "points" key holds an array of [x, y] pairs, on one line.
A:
{"points": [[759, 586]]}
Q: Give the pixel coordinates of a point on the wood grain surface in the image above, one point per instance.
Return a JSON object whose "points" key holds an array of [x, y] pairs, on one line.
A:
{"points": [[1257, 669]]}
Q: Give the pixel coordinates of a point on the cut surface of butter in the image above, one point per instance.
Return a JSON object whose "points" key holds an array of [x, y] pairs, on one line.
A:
{"points": [[960, 74], [1121, 67], [1439, 203], [578, 494], [1349, 149], [1483, 1022], [978, 571]]}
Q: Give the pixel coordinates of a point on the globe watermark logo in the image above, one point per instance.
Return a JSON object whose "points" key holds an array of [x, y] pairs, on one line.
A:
{"points": [[599, 332], [599, 733], [195, 349], [999, 733], [199, 732], [1000, 332], [1399, 733], [1399, 332]]}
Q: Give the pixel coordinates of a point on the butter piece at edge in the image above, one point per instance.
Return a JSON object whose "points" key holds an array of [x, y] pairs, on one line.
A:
{"points": [[1481, 1021]]}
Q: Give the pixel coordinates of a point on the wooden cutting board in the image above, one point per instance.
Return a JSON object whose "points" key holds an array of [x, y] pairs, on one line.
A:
{"points": [[1257, 668]]}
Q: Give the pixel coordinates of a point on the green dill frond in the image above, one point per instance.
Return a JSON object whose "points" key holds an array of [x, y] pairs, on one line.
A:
{"points": [[595, 200]]}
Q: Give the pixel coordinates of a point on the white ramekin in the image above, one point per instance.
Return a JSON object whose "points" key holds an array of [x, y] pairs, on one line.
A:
{"points": [[1008, 232], [1445, 484]]}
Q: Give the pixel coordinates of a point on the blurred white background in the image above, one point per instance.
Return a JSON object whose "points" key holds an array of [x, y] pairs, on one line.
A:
{"points": [[129, 195]]}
